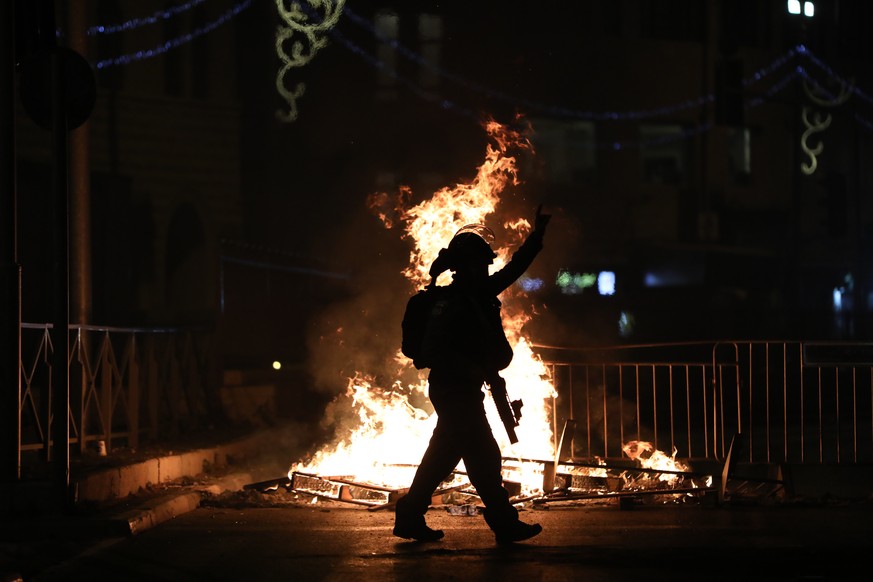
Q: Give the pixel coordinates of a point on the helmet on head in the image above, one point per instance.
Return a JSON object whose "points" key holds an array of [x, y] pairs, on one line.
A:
{"points": [[470, 244], [473, 241], [485, 233]]}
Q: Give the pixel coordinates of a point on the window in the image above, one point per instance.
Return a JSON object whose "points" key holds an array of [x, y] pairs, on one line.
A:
{"points": [[740, 154], [430, 33], [387, 30], [663, 154], [566, 150]]}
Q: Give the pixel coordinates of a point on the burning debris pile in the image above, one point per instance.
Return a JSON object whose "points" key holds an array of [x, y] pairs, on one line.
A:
{"points": [[375, 459], [649, 473]]}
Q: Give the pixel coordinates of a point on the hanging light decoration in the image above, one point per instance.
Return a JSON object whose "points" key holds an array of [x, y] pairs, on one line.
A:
{"points": [[298, 40]]}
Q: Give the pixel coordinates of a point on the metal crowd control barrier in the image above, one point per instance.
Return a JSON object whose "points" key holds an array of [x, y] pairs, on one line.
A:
{"points": [[126, 385], [793, 402]]}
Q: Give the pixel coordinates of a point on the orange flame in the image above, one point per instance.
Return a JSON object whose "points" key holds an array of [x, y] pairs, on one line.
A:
{"points": [[651, 458], [390, 431]]}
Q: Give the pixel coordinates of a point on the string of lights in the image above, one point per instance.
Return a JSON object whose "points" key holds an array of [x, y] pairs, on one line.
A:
{"points": [[525, 103], [756, 77], [555, 110], [774, 89], [176, 42], [560, 111], [144, 21], [412, 86], [452, 106], [838, 78], [565, 112], [684, 134]]}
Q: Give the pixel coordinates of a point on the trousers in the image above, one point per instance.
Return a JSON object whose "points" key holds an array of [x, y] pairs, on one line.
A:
{"points": [[462, 432]]}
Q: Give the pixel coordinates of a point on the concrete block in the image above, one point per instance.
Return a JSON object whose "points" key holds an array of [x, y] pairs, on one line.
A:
{"points": [[191, 463], [96, 487], [159, 511], [170, 468], [134, 477]]}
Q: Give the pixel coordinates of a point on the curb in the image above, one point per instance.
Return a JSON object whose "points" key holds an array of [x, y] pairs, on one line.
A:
{"points": [[164, 508], [123, 481], [138, 520]]}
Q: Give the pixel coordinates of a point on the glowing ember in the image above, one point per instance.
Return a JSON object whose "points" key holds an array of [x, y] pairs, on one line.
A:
{"points": [[390, 433]]}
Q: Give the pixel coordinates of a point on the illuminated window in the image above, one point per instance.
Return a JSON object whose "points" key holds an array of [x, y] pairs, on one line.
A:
{"points": [[843, 293], [575, 283], [626, 323], [606, 283], [794, 7]]}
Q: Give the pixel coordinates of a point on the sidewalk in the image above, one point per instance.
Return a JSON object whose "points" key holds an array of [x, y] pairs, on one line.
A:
{"points": [[125, 496]]}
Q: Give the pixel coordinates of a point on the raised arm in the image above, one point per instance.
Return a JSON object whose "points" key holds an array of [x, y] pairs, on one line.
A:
{"points": [[523, 256]]}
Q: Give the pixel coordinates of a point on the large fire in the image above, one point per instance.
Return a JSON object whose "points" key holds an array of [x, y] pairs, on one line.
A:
{"points": [[392, 433]]}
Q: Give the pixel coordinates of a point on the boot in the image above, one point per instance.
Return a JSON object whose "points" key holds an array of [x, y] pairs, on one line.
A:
{"points": [[416, 529], [516, 532]]}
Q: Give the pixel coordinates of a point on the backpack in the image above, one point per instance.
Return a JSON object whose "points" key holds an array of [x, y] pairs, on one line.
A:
{"points": [[438, 323], [416, 319]]}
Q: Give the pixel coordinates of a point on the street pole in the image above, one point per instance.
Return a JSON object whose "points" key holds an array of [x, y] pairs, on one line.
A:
{"points": [[60, 424], [80, 187], [10, 272]]}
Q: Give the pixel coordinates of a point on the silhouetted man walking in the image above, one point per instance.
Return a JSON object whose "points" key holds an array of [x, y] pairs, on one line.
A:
{"points": [[466, 345]]}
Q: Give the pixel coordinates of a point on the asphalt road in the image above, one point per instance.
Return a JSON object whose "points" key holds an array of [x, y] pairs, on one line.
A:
{"points": [[236, 540]]}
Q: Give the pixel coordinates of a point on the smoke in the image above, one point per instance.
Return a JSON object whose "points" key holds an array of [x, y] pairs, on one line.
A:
{"points": [[361, 332]]}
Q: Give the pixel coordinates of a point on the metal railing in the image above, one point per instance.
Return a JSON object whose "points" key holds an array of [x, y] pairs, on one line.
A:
{"points": [[792, 402], [126, 385]]}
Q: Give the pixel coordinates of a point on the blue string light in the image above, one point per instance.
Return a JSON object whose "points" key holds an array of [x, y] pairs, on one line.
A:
{"points": [[446, 104], [557, 111], [834, 76], [137, 22], [774, 66], [176, 42], [775, 88], [757, 76], [527, 104]]}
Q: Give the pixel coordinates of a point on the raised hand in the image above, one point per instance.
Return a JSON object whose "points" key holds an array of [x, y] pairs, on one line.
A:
{"points": [[541, 220]]}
